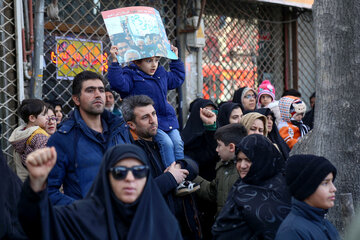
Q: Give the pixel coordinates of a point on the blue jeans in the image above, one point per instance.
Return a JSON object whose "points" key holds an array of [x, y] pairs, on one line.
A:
{"points": [[171, 146]]}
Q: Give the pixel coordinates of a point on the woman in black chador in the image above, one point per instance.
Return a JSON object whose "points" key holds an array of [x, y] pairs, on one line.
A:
{"points": [[259, 200], [123, 203]]}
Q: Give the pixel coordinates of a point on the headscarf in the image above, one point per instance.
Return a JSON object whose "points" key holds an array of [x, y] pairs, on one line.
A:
{"points": [[194, 125], [266, 160], [150, 211], [274, 135], [258, 203], [240, 94], [225, 111], [248, 120]]}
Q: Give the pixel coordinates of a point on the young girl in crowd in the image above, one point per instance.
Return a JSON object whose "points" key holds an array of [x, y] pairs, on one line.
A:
{"points": [[31, 135], [310, 180], [266, 94], [291, 127]]}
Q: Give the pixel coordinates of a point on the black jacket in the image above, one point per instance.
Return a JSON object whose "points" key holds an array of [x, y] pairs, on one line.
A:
{"points": [[259, 202]]}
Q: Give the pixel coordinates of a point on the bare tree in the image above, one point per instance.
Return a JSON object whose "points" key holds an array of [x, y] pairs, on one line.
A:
{"points": [[336, 133]]}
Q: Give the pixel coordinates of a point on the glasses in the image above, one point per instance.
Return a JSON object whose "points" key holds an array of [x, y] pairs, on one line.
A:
{"points": [[250, 96], [120, 172], [52, 119]]}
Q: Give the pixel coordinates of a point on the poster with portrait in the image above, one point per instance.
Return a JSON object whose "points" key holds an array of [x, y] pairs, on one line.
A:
{"points": [[138, 32]]}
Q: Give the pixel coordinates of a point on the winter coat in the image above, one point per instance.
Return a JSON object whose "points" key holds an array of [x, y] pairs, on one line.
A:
{"points": [[259, 202], [306, 223], [101, 215], [199, 142], [79, 154], [291, 131], [219, 188], [10, 188], [132, 81], [182, 207], [24, 141]]}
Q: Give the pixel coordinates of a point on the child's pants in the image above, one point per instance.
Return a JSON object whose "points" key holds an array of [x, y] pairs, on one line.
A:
{"points": [[171, 146]]}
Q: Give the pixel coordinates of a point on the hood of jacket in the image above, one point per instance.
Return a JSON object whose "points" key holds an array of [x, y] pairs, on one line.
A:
{"points": [[284, 105], [19, 137]]}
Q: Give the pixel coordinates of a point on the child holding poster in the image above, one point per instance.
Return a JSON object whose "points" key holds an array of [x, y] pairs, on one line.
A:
{"points": [[146, 77]]}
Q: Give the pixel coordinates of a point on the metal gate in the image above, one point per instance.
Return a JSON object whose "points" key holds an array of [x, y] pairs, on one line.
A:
{"points": [[306, 55], [244, 45], [81, 21], [8, 85]]}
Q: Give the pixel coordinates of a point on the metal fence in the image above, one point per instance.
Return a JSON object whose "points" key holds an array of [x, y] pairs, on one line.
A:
{"points": [[306, 55], [80, 21], [8, 84], [244, 45]]}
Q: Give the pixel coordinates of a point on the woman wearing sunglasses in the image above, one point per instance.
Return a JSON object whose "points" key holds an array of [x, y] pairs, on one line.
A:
{"points": [[123, 202]]}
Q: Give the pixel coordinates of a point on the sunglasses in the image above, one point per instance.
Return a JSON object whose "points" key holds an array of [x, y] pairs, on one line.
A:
{"points": [[120, 172]]}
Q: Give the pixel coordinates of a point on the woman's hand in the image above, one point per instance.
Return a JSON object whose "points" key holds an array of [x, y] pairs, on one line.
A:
{"points": [[39, 163], [207, 116]]}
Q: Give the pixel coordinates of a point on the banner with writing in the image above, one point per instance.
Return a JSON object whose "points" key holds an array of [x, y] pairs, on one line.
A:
{"points": [[138, 32]]}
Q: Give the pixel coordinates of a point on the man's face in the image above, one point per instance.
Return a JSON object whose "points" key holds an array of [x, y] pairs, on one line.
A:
{"points": [[110, 101], [91, 100], [122, 48], [145, 124]]}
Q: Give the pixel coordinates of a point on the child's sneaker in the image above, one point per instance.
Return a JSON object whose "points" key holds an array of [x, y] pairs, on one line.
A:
{"points": [[186, 187]]}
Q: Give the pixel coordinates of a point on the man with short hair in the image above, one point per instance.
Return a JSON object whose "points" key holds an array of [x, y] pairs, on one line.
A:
{"points": [[82, 140], [110, 102], [140, 115]]}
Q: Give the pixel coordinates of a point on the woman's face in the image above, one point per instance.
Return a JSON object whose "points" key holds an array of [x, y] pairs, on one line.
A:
{"points": [[249, 100], [257, 127], [50, 126], [58, 113], [130, 188], [270, 122], [243, 164], [235, 115]]}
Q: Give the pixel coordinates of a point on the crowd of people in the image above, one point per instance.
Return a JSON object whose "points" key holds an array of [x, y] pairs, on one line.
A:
{"points": [[130, 173]]}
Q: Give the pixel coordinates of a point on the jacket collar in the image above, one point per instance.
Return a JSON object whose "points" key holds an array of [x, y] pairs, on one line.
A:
{"points": [[305, 210], [75, 118]]}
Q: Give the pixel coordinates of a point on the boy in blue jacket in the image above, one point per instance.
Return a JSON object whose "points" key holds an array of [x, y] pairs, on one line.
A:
{"points": [[310, 180], [146, 77]]}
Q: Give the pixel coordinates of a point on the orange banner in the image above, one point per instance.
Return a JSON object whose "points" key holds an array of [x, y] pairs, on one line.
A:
{"points": [[73, 56]]}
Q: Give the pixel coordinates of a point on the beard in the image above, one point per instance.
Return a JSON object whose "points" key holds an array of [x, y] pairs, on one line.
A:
{"points": [[110, 109], [147, 133]]}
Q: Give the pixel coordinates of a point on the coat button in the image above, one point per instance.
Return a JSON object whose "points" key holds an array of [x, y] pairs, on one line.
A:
{"points": [[170, 127]]}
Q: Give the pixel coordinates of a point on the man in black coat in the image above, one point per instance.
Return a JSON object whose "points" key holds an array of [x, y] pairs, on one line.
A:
{"points": [[140, 115]]}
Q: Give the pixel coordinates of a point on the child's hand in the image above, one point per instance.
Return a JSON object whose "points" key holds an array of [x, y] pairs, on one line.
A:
{"points": [[114, 53], [174, 49]]}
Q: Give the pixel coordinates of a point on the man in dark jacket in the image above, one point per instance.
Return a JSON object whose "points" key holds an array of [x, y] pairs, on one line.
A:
{"points": [[140, 115], [83, 139]]}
